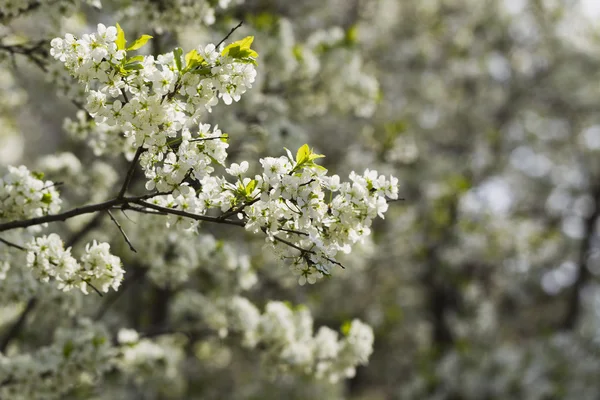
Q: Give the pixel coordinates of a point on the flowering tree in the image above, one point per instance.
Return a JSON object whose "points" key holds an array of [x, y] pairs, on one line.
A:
{"points": [[192, 241], [150, 107]]}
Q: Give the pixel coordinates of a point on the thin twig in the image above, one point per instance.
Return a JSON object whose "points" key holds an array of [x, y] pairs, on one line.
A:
{"points": [[130, 172], [303, 251], [234, 211], [125, 215], [11, 244], [94, 287], [229, 34], [122, 231], [293, 231], [189, 215]]}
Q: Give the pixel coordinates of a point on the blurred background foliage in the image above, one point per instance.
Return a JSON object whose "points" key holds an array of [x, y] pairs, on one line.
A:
{"points": [[483, 282]]}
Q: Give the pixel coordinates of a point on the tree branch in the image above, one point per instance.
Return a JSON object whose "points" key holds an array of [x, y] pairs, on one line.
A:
{"points": [[11, 244], [130, 172], [122, 231], [229, 34], [195, 217], [75, 212]]}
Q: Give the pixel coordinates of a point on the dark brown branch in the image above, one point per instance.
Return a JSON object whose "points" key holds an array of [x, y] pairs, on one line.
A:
{"points": [[74, 212], [195, 217]]}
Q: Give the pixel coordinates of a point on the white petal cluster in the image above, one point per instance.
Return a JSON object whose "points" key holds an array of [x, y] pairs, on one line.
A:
{"points": [[99, 268], [76, 355], [325, 72], [156, 103], [316, 212], [150, 362], [285, 335], [24, 194], [48, 259]]}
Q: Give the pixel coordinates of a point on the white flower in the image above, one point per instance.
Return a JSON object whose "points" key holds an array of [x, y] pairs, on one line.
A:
{"points": [[100, 268]]}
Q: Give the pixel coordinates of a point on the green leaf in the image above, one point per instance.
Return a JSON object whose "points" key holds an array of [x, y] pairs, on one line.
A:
{"points": [[224, 137], [302, 154], [139, 42], [47, 198], [37, 175], [134, 59], [121, 42], [240, 49], [133, 66], [346, 328], [193, 59], [313, 156], [202, 71], [250, 187], [177, 53]]}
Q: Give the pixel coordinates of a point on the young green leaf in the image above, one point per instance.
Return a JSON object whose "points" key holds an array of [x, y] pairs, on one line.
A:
{"points": [[134, 59], [240, 49], [250, 187], [193, 59], [139, 42], [346, 328], [121, 42], [134, 66], [302, 154]]}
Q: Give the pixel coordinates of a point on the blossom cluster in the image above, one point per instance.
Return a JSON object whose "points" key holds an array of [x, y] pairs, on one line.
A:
{"points": [[174, 258], [77, 355], [326, 72], [94, 184], [319, 214], [161, 114], [48, 258], [157, 102], [147, 361], [284, 333], [296, 204], [23, 194]]}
